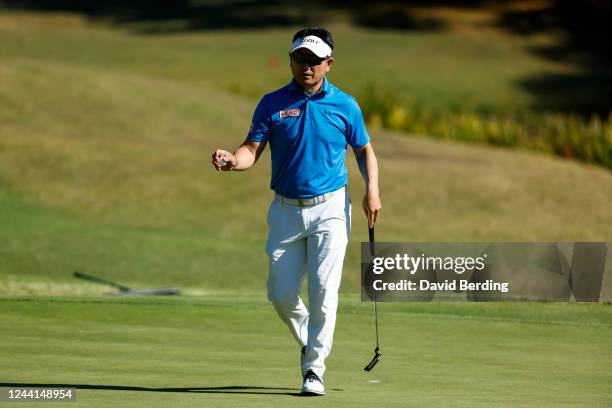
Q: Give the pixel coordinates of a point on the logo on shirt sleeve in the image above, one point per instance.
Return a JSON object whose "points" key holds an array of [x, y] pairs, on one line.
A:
{"points": [[288, 113]]}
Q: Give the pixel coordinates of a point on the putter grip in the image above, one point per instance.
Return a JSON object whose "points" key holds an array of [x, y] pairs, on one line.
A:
{"points": [[372, 248]]}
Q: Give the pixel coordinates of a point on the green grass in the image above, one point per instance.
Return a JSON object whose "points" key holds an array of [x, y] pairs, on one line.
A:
{"points": [[442, 79], [440, 69], [105, 138], [63, 214], [105, 141], [567, 136], [233, 351]]}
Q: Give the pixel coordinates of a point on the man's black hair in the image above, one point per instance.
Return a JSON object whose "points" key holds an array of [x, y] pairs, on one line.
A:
{"points": [[322, 33]]}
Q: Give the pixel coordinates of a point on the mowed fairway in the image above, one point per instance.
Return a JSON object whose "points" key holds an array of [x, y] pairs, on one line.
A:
{"points": [[234, 352]]}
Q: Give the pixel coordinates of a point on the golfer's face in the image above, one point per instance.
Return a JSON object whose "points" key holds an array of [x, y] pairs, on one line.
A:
{"points": [[308, 70]]}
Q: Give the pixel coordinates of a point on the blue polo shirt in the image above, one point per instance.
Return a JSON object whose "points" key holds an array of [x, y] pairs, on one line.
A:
{"points": [[308, 137]]}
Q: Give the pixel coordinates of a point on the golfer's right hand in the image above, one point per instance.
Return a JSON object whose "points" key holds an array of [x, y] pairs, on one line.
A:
{"points": [[223, 160]]}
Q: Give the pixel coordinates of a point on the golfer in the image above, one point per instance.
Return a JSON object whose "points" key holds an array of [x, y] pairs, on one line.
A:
{"points": [[308, 123]]}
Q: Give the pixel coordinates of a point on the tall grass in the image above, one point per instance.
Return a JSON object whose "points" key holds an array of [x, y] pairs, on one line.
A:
{"points": [[565, 135]]}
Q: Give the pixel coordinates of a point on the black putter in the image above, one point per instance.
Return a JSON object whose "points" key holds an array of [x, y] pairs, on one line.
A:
{"points": [[377, 354]]}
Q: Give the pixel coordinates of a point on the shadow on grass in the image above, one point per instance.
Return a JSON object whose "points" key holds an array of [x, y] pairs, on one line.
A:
{"points": [[584, 29], [229, 389], [157, 16], [585, 45]]}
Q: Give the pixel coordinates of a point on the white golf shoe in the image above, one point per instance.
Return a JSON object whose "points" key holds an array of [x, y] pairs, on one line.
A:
{"points": [[312, 384]]}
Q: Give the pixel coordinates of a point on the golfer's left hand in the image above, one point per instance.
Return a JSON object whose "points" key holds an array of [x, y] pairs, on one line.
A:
{"points": [[371, 207]]}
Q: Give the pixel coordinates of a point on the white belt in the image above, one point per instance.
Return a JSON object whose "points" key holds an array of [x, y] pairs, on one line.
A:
{"points": [[305, 202]]}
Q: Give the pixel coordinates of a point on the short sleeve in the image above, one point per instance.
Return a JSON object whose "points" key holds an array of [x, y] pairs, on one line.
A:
{"points": [[261, 124], [357, 132]]}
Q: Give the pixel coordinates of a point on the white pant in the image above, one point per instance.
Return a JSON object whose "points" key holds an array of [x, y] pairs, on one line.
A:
{"points": [[308, 241]]}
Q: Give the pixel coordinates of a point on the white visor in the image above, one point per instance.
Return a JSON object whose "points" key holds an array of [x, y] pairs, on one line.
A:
{"points": [[314, 44]]}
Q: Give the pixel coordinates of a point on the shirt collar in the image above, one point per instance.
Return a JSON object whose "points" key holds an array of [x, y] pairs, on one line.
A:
{"points": [[294, 87]]}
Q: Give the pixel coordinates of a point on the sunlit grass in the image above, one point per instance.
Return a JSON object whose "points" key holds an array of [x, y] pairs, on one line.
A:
{"points": [[105, 143]]}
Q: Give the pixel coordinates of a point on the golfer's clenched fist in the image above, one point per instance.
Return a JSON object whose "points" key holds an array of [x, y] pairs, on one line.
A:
{"points": [[242, 159], [223, 160]]}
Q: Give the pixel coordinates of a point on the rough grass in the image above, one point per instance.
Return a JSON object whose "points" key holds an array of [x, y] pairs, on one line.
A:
{"points": [[104, 168], [439, 69], [154, 211]]}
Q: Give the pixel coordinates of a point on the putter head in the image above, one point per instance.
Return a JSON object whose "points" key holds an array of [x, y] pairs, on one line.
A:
{"points": [[375, 360]]}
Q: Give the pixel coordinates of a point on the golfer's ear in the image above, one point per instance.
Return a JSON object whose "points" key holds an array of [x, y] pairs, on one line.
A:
{"points": [[329, 62]]}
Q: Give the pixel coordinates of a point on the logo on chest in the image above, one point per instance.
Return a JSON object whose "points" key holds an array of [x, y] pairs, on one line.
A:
{"points": [[289, 113]]}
